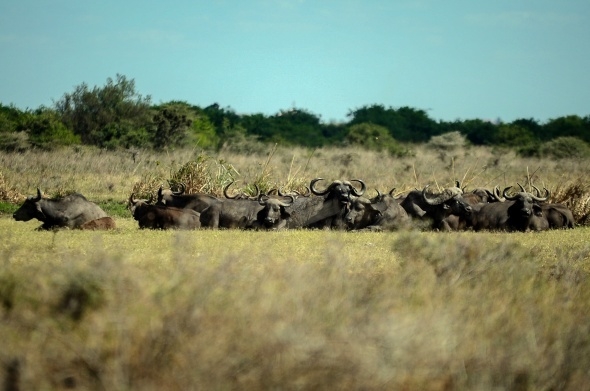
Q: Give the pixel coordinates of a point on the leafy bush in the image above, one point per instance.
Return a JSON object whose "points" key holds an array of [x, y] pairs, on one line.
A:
{"points": [[565, 147]]}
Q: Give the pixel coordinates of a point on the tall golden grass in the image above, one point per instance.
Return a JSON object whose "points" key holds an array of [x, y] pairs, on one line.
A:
{"points": [[150, 310]]}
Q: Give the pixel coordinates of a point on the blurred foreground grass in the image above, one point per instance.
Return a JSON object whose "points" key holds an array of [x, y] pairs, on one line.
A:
{"points": [[152, 310]]}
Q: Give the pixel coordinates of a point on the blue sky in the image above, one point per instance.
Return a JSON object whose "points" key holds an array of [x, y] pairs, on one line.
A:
{"points": [[456, 59]]}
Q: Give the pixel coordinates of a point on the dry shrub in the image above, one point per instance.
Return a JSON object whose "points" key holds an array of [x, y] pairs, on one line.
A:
{"points": [[8, 193], [147, 187], [576, 195], [205, 174], [436, 312]]}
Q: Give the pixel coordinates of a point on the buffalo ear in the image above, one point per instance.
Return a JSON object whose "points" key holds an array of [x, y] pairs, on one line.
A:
{"points": [[537, 210]]}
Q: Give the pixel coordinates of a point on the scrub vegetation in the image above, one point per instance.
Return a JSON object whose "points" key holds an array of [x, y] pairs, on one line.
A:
{"points": [[300, 309]]}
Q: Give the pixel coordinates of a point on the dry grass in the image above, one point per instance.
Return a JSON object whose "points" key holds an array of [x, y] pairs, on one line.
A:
{"points": [[151, 310], [111, 175], [315, 310]]}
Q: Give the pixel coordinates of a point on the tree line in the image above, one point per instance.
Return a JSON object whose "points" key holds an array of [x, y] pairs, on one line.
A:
{"points": [[117, 116]]}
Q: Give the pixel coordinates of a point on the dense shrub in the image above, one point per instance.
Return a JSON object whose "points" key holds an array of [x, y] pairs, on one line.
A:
{"points": [[565, 147], [14, 141]]}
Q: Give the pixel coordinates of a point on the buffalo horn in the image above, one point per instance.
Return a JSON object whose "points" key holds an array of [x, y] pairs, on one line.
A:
{"points": [[538, 196], [507, 196], [285, 204], [182, 189], [262, 199], [225, 192], [316, 191], [353, 189], [437, 200]]}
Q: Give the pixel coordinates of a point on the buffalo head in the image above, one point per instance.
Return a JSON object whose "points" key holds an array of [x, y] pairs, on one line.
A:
{"points": [[340, 190], [274, 209], [525, 202], [450, 199], [30, 209], [134, 203]]}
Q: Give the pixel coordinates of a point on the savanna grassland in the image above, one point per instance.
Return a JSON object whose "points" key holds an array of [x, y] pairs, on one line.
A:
{"points": [[134, 309]]}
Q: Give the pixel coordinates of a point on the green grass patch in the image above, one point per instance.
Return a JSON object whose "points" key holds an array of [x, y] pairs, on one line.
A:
{"points": [[115, 208], [7, 208]]}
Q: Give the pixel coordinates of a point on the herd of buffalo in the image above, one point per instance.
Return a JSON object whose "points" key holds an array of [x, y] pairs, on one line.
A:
{"points": [[341, 205]]}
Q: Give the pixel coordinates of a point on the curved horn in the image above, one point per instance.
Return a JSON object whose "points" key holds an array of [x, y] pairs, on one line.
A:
{"points": [[225, 192], [497, 194], [38, 195], [538, 196], [353, 189], [458, 184], [507, 196], [437, 200], [181, 191], [257, 191], [316, 191], [393, 196], [283, 203], [521, 188], [262, 199], [132, 200]]}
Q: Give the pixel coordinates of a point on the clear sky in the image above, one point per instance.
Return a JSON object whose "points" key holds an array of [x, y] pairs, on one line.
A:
{"points": [[456, 59]]}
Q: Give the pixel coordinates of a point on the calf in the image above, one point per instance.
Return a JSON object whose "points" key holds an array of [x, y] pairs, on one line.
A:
{"points": [[162, 217]]}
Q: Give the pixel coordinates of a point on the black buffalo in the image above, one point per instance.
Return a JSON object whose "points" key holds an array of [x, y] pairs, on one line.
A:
{"points": [[177, 199], [520, 211], [558, 216], [71, 211], [325, 208], [264, 213], [436, 208], [382, 213]]}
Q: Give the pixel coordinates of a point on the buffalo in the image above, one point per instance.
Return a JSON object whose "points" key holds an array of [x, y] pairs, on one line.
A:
{"points": [[71, 211], [197, 202], [557, 215], [104, 223], [162, 217], [327, 208], [436, 208], [382, 213], [264, 213], [515, 212]]}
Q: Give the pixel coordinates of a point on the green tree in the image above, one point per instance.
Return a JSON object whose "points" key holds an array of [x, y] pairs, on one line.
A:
{"points": [[405, 124], [103, 115], [513, 136], [374, 137], [477, 131], [171, 121], [45, 129], [568, 126]]}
